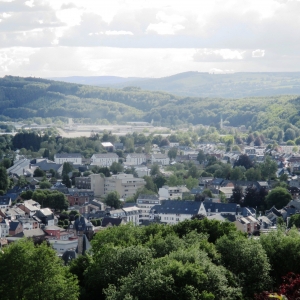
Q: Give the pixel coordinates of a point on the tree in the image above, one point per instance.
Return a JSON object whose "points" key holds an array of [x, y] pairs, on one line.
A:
{"points": [[237, 173], [6, 163], [66, 181], [116, 168], [164, 142], [278, 197], [38, 173], [201, 156], [244, 161], [193, 172], [67, 168], [294, 221], [268, 168], [191, 182], [159, 181], [154, 170], [45, 185], [150, 185], [112, 199], [4, 180], [258, 141], [172, 153], [237, 195], [244, 254], [253, 174], [37, 273]]}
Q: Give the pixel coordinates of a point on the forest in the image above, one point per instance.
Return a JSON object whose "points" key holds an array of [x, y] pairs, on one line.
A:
{"points": [[29, 98], [195, 259]]}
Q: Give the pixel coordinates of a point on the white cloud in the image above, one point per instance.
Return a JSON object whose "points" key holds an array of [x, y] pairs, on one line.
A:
{"points": [[258, 53]]}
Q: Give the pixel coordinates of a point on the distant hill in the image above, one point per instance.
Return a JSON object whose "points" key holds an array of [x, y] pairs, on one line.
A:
{"points": [[98, 80], [196, 84], [28, 98]]}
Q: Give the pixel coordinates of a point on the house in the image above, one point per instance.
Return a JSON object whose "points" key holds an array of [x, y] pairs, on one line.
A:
{"points": [[83, 182], [46, 216], [145, 203], [133, 214], [108, 146], [79, 197], [59, 186], [136, 158], [35, 234], [5, 201], [171, 192], [19, 168], [46, 165], [12, 213], [142, 171], [4, 228], [174, 211], [28, 223], [15, 227], [61, 246], [30, 207], [74, 158], [162, 159], [247, 224], [57, 233], [104, 159]]}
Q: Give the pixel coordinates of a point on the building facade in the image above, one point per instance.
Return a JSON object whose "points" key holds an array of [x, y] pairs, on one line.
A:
{"points": [[75, 158], [104, 159]]}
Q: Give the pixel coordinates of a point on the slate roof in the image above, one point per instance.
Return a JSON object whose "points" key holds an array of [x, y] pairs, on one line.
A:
{"points": [[13, 225], [221, 207], [273, 210], [147, 197], [46, 165], [112, 221], [19, 167], [160, 156], [177, 207], [31, 233], [5, 200]]}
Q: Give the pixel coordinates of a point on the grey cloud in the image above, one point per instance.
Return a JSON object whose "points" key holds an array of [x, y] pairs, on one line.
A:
{"points": [[68, 6]]}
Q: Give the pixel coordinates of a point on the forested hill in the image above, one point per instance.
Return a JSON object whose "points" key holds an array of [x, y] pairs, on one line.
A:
{"points": [[199, 84], [33, 97]]}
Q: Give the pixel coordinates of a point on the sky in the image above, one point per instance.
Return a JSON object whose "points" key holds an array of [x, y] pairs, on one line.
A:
{"points": [[143, 38]]}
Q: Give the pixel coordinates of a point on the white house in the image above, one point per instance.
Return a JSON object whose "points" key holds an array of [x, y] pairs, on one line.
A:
{"points": [[4, 228], [75, 158], [133, 214], [5, 202], [136, 158], [170, 192], [104, 159], [172, 211], [162, 159]]}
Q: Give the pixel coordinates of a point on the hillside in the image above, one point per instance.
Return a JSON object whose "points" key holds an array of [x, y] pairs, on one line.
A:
{"points": [[22, 98], [196, 84]]}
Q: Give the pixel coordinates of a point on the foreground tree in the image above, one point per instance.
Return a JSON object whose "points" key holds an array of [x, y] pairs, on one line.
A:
{"points": [[37, 274]]}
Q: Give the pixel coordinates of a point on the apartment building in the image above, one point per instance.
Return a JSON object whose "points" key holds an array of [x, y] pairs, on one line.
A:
{"points": [[145, 203], [125, 184], [104, 159], [75, 158]]}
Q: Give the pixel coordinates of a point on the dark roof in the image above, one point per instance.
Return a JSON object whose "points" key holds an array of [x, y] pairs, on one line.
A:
{"points": [[217, 181], [13, 225], [112, 221], [221, 207], [229, 217], [46, 166], [4, 200], [177, 207], [273, 210]]}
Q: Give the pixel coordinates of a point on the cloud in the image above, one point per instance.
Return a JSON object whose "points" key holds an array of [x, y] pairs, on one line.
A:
{"points": [[258, 53], [209, 55]]}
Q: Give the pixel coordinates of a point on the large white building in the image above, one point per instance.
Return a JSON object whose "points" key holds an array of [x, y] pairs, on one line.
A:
{"points": [[161, 159], [125, 184], [75, 158], [104, 159], [128, 214], [136, 158]]}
